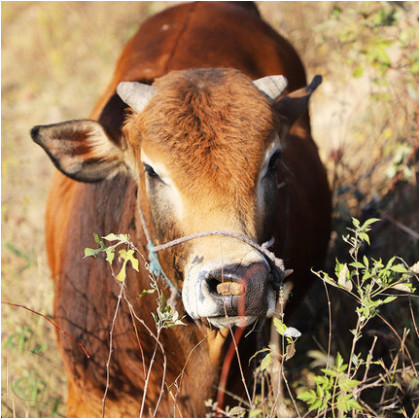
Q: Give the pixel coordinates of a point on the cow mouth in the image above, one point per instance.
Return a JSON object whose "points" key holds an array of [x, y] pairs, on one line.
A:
{"points": [[231, 321]]}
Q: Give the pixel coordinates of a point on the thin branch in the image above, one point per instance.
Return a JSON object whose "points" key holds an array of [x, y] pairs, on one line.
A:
{"points": [[289, 391], [369, 358], [181, 374], [329, 310], [156, 338], [174, 398], [150, 367], [226, 369], [236, 340], [139, 342], [401, 226], [374, 384], [50, 321], [357, 336], [108, 363], [413, 316], [401, 342]]}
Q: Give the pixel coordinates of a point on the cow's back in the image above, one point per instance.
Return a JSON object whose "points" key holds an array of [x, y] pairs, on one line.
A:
{"points": [[206, 35]]}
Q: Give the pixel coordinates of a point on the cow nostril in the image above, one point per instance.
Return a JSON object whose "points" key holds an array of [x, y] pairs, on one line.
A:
{"points": [[212, 284], [224, 287]]}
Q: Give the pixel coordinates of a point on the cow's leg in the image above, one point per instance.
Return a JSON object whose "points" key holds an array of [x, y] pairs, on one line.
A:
{"points": [[77, 405], [87, 402]]}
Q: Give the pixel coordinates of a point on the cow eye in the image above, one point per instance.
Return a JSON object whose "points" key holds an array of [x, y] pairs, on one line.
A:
{"points": [[150, 172], [273, 162]]}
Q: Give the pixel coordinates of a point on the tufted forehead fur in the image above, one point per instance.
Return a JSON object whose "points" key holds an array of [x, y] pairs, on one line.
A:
{"points": [[209, 125]]}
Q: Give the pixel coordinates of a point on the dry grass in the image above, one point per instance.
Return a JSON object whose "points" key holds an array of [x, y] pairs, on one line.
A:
{"points": [[57, 58]]}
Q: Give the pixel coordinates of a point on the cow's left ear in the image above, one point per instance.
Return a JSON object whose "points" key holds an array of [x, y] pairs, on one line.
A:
{"points": [[290, 107], [81, 149]]}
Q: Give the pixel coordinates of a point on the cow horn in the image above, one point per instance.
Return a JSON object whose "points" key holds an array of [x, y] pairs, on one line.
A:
{"points": [[272, 86], [135, 95]]}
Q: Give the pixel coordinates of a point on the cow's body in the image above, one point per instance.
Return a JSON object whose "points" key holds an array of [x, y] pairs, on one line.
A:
{"points": [[202, 35]]}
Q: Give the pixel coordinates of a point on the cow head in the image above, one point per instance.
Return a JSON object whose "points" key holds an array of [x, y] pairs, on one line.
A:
{"points": [[204, 148]]}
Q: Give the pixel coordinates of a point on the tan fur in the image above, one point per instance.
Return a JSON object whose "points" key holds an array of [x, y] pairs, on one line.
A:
{"points": [[199, 143]]}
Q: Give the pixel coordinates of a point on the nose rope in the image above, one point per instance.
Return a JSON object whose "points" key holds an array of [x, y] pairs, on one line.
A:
{"points": [[154, 266], [276, 264]]}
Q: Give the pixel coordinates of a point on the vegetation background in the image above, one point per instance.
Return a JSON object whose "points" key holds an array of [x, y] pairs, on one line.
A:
{"points": [[57, 58]]}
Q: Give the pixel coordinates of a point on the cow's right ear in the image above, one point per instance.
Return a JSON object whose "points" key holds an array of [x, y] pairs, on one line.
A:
{"points": [[81, 149], [293, 105]]}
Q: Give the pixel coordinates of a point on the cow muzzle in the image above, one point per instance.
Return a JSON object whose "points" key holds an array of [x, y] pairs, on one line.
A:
{"points": [[229, 295]]}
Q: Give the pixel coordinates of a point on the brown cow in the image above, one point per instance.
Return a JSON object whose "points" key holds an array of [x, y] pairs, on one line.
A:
{"points": [[202, 148]]}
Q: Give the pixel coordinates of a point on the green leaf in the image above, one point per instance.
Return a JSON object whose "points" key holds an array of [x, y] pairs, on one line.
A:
{"points": [[346, 403], [111, 237], [122, 273], [40, 348], [91, 252], [145, 292], [328, 280], [370, 221], [265, 363], [399, 268], [343, 279], [330, 372], [366, 261], [318, 404], [403, 287], [18, 252], [255, 413], [353, 404], [364, 237], [342, 402], [134, 263], [339, 361], [347, 384], [110, 255], [280, 326], [322, 380], [390, 262], [122, 238], [320, 391], [356, 359], [129, 256], [357, 265], [236, 411], [259, 352], [309, 396]]}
